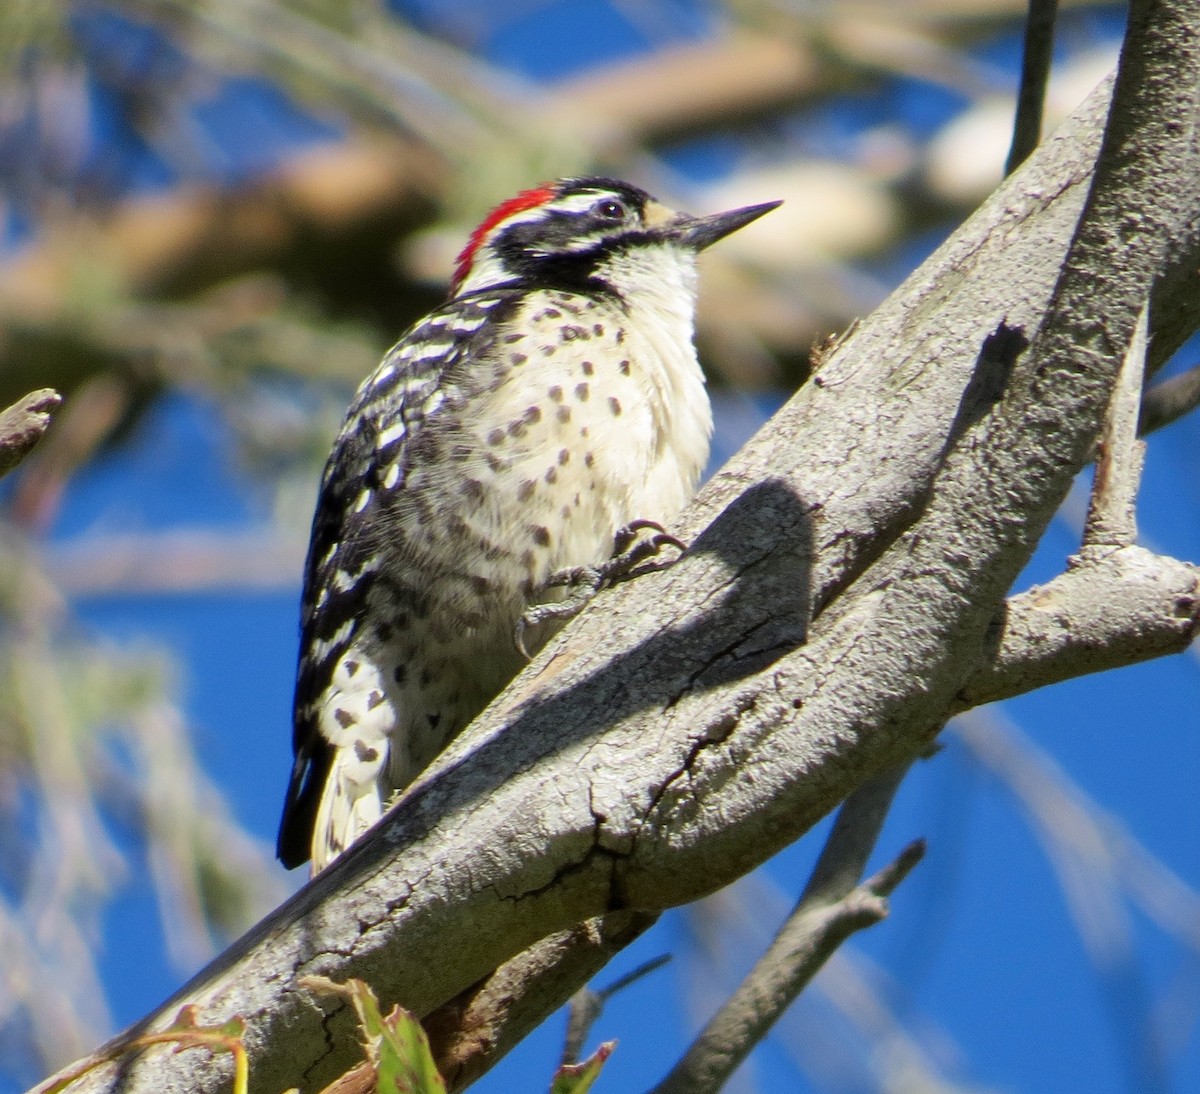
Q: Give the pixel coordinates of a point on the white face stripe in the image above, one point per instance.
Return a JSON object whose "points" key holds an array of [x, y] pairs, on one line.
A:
{"points": [[487, 269], [525, 216], [582, 202], [576, 203]]}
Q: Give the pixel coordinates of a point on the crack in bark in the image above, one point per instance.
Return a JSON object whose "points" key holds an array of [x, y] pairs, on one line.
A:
{"points": [[563, 871], [728, 651], [718, 733], [326, 1032]]}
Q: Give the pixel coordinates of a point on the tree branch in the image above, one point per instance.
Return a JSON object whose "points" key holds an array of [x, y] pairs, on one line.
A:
{"points": [[1035, 74], [1128, 606], [23, 424], [808, 938], [1112, 515], [832, 907], [690, 724], [480, 1025], [1170, 400], [588, 1005]]}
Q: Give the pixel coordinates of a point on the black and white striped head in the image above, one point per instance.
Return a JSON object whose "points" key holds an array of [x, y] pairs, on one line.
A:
{"points": [[579, 231]]}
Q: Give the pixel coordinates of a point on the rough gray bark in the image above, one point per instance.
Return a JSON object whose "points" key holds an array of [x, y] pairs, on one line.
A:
{"points": [[843, 601]]}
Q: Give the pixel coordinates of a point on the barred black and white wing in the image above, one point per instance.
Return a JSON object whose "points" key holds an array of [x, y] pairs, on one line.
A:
{"points": [[344, 716]]}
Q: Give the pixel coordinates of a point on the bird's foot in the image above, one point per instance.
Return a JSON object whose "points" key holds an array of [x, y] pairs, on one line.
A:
{"points": [[631, 550], [633, 554]]}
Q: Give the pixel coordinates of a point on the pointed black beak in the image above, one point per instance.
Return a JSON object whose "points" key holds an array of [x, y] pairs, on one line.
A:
{"points": [[701, 232]]}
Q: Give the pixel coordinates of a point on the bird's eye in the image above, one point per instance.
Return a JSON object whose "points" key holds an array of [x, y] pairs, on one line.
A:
{"points": [[610, 209]]}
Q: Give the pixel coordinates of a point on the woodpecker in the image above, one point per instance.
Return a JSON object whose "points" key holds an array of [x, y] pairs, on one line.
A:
{"points": [[552, 406]]}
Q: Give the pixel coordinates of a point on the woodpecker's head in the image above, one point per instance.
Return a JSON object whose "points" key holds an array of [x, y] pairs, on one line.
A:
{"points": [[594, 232]]}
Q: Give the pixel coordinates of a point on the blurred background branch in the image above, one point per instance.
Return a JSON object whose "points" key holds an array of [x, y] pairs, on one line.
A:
{"points": [[23, 424]]}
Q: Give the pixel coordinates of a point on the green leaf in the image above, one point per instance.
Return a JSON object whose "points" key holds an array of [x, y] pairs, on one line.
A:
{"points": [[578, 1078], [396, 1046], [405, 1063]]}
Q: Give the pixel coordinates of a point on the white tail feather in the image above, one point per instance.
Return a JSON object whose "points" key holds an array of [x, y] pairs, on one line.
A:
{"points": [[350, 804]]}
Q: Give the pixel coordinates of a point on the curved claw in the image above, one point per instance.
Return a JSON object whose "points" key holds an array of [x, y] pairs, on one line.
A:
{"points": [[582, 581], [625, 561], [519, 637], [626, 535]]}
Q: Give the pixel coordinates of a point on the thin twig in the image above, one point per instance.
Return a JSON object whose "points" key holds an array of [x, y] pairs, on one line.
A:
{"points": [[1071, 823], [189, 561], [809, 937], [1035, 74], [1112, 514], [832, 907], [852, 838], [1169, 401], [587, 1006], [470, 1032]]}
